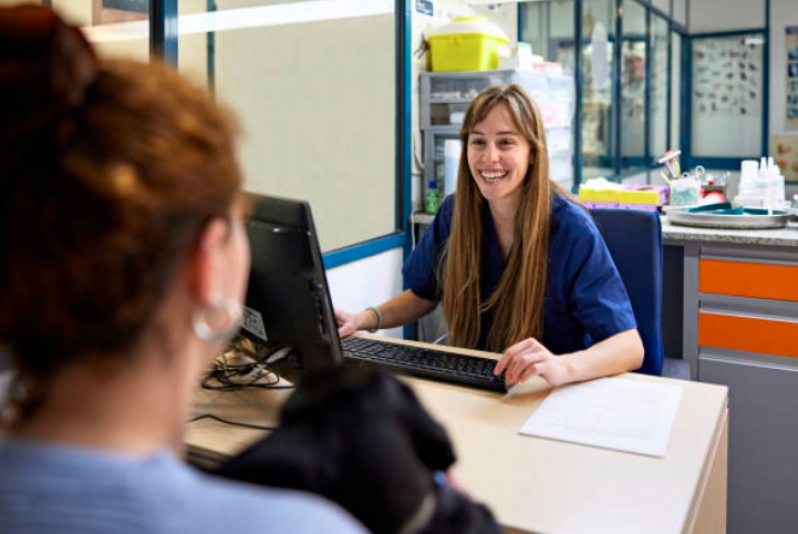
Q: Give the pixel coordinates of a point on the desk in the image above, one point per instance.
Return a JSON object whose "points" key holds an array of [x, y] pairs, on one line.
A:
{"points": [[538, 485]]}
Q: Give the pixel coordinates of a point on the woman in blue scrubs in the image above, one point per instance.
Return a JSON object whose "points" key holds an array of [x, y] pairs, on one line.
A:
{"points": [[519, 267]]}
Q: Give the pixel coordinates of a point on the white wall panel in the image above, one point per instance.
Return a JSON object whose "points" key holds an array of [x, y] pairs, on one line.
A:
{"points": [[680, 11], [725, 15], [367, 282]]}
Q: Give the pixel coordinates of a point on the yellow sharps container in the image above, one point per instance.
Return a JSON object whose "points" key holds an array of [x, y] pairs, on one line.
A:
{"points": [[465, 44]]}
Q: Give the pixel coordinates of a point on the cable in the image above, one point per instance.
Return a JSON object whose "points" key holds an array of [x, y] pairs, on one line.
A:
{"points": [[233, 386], [228, 422], [252, 371]]}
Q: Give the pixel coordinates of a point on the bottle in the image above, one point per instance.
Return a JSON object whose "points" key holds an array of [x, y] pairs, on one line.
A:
{"points": [[433, 200], [762, 183], [777, 184]]}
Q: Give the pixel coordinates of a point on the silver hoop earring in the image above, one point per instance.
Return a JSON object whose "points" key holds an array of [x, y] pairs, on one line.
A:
{"points": [[216, 322]]}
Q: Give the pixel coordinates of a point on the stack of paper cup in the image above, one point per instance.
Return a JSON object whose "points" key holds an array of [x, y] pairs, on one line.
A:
{"points": [[747, 194], [451, 162]]}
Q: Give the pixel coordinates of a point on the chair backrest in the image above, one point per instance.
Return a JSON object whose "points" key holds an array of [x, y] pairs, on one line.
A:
{"points": [[634, 239]]}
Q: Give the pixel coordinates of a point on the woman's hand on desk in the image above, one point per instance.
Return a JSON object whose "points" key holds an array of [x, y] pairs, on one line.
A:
{"points": [[617, 354], [530, 358]]}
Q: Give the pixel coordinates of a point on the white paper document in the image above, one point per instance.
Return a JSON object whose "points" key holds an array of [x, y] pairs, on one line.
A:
{"points": [[613, 413]]}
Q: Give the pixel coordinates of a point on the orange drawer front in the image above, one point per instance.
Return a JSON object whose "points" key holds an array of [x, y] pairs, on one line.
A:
{"points": [[764, 336], [743, 279]]}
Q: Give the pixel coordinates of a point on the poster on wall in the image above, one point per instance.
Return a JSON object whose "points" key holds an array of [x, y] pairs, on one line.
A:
{"points": [[727, 75], [785, 148], [791, 106]]}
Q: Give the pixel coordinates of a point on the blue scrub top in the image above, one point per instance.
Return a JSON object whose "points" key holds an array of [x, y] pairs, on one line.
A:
{"points": [[585, 300]]}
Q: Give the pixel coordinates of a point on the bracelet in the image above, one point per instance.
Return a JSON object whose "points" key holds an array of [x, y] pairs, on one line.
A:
{"points": [[379, 319]]}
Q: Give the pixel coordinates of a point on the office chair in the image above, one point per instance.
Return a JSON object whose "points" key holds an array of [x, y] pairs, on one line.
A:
{"points": [[634, 239]]}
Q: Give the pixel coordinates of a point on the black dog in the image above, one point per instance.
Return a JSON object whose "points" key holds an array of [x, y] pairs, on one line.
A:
{"points": [[364, 441]]}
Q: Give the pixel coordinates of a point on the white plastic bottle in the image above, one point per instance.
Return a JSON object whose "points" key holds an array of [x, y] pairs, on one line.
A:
{"points": [[762, 183]]}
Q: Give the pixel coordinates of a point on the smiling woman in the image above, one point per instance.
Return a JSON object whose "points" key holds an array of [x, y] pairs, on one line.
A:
{"points": [[519, 266]]}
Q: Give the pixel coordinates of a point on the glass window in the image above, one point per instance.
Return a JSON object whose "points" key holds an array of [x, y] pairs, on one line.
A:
{"points": [[598, 36], [676, 91], [658, 121], [726, 99], [549, 27], [116, 28], [314, 85], [633, 86]]}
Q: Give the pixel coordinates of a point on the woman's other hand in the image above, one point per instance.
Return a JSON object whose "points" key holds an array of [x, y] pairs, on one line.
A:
{"points": [[530, 358], [347, 323]]}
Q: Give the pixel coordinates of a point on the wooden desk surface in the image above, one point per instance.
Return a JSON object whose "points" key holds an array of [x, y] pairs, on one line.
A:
{"points": [[535, 484]]}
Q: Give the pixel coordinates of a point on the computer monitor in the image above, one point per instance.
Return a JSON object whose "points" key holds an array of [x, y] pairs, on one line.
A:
{"points": [[288, 301]]}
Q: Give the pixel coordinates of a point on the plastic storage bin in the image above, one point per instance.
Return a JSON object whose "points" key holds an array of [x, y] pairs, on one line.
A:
{"points": [[466, 44]]}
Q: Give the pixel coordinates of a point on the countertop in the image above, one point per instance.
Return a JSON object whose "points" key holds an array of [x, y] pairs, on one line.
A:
{"points": [[671, 233], [774, 237]]}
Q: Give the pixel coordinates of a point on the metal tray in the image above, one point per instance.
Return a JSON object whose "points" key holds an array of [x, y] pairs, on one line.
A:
{"points": [[680, 216]]}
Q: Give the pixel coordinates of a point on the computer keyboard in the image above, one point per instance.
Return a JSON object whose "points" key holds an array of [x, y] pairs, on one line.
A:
{"points": [[425, 363]]}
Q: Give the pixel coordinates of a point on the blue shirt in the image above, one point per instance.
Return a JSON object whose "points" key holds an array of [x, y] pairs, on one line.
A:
{"points": [[47, 488], [585, 300]]}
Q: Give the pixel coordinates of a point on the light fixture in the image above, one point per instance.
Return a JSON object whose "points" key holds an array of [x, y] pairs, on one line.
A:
{"points": [[249, 17]]}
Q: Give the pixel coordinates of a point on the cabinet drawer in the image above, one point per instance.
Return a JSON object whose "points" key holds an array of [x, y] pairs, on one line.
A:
{"points": [[748, 279], [763, 440], [749, 334]]}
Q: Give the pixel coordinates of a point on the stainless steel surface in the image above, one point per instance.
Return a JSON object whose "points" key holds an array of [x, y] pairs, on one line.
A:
{"points": [[680, 216]]}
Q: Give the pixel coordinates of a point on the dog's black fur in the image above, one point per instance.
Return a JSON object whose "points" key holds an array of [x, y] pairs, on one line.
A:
{"points": [[363, 440]]}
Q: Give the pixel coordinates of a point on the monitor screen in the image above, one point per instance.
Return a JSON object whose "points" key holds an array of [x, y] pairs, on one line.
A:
{"points": [[288, 302]]}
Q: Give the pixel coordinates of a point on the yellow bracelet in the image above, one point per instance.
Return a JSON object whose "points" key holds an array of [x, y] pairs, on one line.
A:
{"points": [[379, 319]]}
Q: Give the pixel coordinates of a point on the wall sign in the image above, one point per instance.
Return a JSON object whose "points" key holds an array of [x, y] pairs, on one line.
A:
{"points": [[424, 7]]}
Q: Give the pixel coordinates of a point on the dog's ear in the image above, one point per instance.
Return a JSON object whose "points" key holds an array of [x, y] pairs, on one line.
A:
{"points": [[429, 438]]}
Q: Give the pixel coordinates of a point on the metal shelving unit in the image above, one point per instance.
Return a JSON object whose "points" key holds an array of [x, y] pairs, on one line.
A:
{"points": [[445, 97]]}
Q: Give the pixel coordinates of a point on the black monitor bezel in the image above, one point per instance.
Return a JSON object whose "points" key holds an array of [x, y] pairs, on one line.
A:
{"points": [[284, 221]]}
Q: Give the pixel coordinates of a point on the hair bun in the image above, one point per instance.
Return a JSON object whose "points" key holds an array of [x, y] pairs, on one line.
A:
{"points": [[46, 66]]}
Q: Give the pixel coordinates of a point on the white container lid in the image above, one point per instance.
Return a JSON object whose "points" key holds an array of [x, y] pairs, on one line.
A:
{"points": [[471, 25]]}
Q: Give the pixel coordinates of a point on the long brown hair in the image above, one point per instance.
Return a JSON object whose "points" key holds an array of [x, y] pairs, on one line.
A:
{"points": [[108, 171], [517, 302]]}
